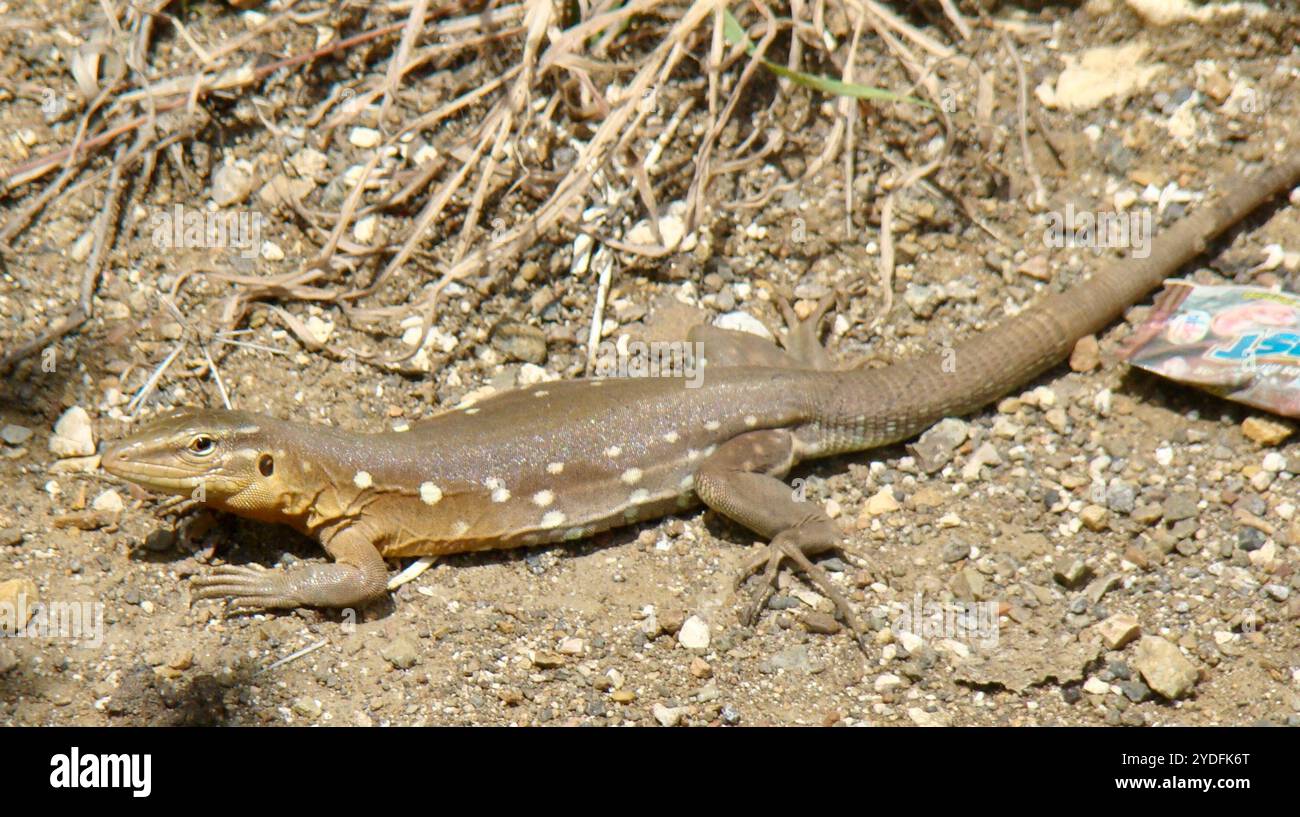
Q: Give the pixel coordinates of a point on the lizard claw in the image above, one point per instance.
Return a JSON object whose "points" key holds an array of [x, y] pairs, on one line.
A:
{"points": [[245, 589], [782, 547]]}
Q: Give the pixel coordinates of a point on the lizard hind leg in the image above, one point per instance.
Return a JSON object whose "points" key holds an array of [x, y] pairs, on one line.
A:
{"points": [[741, 480]]}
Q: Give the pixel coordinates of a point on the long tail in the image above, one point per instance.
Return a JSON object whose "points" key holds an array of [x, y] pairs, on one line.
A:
{"points": [[905, 398]]}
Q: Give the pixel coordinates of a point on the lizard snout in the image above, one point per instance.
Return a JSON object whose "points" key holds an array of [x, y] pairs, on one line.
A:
{"points": [[113, 459]]}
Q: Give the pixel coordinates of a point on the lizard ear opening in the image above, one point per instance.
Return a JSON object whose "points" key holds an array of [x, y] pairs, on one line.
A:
{"points": [[266, 465]]}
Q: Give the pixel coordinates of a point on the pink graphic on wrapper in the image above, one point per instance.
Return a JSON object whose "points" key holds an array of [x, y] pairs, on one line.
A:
{"points": [[1239, 319]]}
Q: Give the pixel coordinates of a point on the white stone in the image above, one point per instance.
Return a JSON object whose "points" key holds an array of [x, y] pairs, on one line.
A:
{"points": [[73, 435], [922, 718], [365, 137], [365, 228], [668, 715], [882, 502], [909, 641], [1096, 686], [110, 501], [319, 328], [743, 322], [694, 634], [887, 682], [232, 182], [308, 162], [15, 435]]}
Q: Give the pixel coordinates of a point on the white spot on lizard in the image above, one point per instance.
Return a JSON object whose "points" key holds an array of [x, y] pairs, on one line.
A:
{"points": [[430, 493], [553, 519]]}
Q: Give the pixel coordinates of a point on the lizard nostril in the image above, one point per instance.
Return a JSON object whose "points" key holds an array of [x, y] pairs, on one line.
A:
{"points": [[110, 458]]}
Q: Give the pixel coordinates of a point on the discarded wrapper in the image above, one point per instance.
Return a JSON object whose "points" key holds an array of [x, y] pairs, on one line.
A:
{"points": [[1239, 342]]}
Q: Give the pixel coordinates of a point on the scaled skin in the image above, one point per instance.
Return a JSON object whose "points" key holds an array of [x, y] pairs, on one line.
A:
{"points": [[561, 461]]}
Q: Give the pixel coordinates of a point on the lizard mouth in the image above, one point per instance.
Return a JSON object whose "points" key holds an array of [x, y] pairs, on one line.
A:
{"points": [[154, 475]]}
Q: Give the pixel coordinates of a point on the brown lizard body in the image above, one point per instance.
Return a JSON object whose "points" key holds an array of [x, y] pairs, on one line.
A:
{"points": [[560, 461]]}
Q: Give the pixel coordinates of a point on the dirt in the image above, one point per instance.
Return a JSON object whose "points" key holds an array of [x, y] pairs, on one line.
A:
{"points": [[591, 632]]}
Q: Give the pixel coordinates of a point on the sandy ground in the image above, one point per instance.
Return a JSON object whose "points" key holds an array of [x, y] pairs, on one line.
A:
{"points": [[1184, 535]]}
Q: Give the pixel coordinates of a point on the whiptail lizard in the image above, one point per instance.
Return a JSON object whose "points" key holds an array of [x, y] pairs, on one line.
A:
{"points": [[561, 461]]}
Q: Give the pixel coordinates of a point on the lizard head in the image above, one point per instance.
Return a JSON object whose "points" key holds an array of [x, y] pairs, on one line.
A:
{"points": [[212, 456]]}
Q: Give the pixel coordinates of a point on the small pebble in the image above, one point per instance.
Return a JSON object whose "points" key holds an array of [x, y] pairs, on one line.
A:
{"points": [[15, 434], [954, 551], [109, 500], [1266, 431], [1118, 630], [1164, 668], [1093, 517], [73, 435], [1086, 355], [694, 634], [1273, 462], [666, 715], [1096, 686], [365, 137], [822, 623]]}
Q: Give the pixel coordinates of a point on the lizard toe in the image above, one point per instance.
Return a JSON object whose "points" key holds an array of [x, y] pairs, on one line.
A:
{"points": [[242, 587], [786, 546]]}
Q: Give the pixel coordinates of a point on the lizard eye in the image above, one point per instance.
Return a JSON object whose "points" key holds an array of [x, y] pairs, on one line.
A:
{"points": [[266, 465], [203, 445]]}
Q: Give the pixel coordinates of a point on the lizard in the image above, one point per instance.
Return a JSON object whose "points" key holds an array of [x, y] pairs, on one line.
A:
{"points": [[560, 461]]}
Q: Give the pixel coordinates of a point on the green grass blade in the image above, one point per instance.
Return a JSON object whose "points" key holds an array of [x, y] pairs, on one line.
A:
{"points": [[734, 34]]}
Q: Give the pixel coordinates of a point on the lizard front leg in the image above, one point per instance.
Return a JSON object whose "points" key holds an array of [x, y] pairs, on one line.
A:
{"points": [[357, 576], [728, 347], [741, 480], [801, 341]]}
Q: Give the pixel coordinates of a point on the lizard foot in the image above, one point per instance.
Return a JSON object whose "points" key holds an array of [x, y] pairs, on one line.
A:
{"points": [[248, 589], [785, 545], [245, 589]]}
